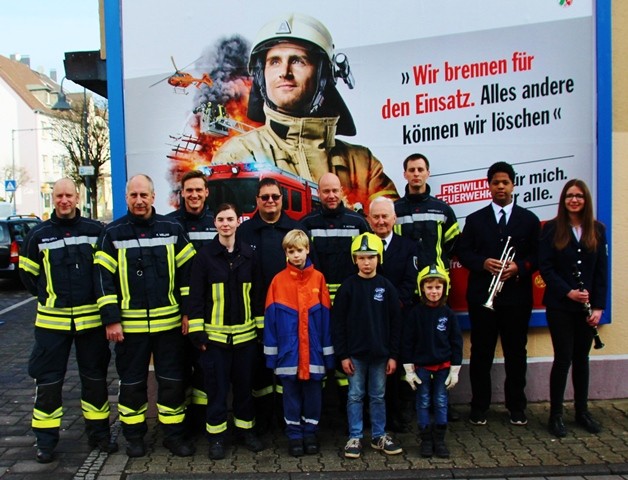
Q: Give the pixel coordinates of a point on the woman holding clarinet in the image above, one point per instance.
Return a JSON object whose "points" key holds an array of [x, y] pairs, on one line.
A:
{"points": [[574, 265]]}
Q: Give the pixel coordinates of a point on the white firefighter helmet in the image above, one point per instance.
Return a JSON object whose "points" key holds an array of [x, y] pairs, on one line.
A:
{"points": [[310, 32], [367, 244], [433, 271]]}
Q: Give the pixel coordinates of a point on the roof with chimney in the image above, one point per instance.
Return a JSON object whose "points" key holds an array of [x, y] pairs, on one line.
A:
{"points": [[37, 90]]}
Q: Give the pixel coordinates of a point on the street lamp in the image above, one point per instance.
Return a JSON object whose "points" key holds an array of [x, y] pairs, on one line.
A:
{"points": [[13, 172], [62, 104]]}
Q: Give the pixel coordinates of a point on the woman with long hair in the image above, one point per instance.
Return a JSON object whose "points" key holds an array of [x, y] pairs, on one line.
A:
{"points": [[574, 265]]}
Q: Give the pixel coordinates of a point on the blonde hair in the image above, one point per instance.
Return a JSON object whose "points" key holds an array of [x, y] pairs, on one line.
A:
{"points": [[295, 239]]}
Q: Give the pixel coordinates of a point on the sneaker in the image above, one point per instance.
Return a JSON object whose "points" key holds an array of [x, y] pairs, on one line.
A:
{"points": [[250, 441], [386, 445], [476, 417], [353, 448], [518, 418], [217, 450], [586, 421]]}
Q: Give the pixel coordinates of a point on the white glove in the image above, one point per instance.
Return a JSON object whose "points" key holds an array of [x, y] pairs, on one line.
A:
{"points": [[411, 376], [452, 378]]}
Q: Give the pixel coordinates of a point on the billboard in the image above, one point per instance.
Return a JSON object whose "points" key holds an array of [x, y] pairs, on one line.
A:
{"points": [[464, 83]]}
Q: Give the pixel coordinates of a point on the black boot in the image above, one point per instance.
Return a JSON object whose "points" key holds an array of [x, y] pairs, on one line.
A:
{"points": [[427, 442], [440, 449]]}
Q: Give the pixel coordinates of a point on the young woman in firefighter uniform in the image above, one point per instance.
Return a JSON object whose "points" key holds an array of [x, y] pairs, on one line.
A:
{"points": [[226, 315], [143, 263], [56, 265]]}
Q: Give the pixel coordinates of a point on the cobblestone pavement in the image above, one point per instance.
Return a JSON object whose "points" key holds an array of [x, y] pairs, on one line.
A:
{"points": [[497, 450]]}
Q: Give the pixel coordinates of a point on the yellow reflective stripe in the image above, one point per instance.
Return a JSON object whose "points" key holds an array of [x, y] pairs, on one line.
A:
{"points": [[29, 266], [333, 288], [153, 312], [130, 416], [107, 300], [142, 326], [169, 416], [78, 310], [196, 325], [124, 279], [279, 389], [218, 291], [235, 339], [262, 392], [259, 322], [453, 231], [171, 272], [185, 291], [397, 228], [247, 425], [90, 412], [185, 254], [52, 296], [199, 397], [439, 247], [232, 329], [47, 420], [213, 429], [84, 323], [246, 290], [107, 261]]}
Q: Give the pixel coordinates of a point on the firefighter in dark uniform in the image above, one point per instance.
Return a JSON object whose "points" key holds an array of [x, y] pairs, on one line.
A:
{"points": [[428, 221], [332, 228], [226, 317], [264, 233], [56, 265], [143, 262], [197, 220], [424, 218], [400, 267]]}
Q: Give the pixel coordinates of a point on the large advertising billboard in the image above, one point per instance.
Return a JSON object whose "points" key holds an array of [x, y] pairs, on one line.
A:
{"points": [[464, 83]]}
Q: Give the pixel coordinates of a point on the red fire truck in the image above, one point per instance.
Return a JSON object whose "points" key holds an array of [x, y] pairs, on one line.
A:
{"points": [[237, 183]]}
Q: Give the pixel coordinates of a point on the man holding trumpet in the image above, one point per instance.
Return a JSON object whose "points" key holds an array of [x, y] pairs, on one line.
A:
{"points": [[499, 246]]}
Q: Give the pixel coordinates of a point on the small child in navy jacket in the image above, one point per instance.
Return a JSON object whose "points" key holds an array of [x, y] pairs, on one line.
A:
{"points": [[431, 350]]}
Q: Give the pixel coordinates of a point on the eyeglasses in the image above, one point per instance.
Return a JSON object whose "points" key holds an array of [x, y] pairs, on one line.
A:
{"points": [[574, 196], [266, 197]]}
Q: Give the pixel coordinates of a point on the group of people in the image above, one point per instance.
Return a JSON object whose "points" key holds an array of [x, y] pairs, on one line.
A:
{"points": [[273, 306]]}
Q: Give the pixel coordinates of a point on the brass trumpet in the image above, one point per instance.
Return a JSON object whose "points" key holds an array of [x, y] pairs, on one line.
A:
{"points": [[508, 255]]}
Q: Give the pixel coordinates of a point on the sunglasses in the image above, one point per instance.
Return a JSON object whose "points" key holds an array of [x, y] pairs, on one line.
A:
{"points": [[266, 197]]}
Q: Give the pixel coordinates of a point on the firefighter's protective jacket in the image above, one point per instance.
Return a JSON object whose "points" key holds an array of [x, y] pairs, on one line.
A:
{"points": [[226, 295], [431, 223], [307, 147], [142, 273], [56, 265], [331, 233], [199, 227]]}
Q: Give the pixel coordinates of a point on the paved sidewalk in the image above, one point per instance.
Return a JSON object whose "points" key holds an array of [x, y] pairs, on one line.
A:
{"points": [[497, 450]]}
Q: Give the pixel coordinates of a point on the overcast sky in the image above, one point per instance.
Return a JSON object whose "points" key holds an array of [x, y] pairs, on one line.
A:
{"points": [[46, 29]]}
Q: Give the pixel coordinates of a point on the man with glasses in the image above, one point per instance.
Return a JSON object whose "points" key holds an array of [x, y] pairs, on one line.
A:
{"points": [[264, 232]]}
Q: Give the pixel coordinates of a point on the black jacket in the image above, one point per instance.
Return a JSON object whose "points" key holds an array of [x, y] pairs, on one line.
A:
{"points": [[142, 273], [557, 269], [481, 239], [57, 265], [400, 267], [200, 228]]}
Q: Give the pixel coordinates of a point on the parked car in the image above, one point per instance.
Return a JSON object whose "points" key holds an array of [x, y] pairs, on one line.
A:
{"points": [[13, 230]]}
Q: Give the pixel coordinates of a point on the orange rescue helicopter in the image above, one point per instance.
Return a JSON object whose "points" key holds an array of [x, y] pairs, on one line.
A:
{"points": [[181, 79]]}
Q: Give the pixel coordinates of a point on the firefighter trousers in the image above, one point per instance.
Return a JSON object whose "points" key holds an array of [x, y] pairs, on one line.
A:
{"points": [[132, 362], [226, 367], [48, 365]]}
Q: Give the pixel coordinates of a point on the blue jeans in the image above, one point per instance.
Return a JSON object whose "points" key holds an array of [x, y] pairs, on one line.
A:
{"points": [[374, 372], [431, 390]]}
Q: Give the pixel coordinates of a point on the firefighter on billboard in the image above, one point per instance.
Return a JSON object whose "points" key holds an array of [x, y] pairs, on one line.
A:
{"points": [[294, 71]]}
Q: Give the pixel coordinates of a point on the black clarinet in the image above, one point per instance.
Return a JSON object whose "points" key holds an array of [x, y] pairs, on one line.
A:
{"points": [[597, 341]]}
